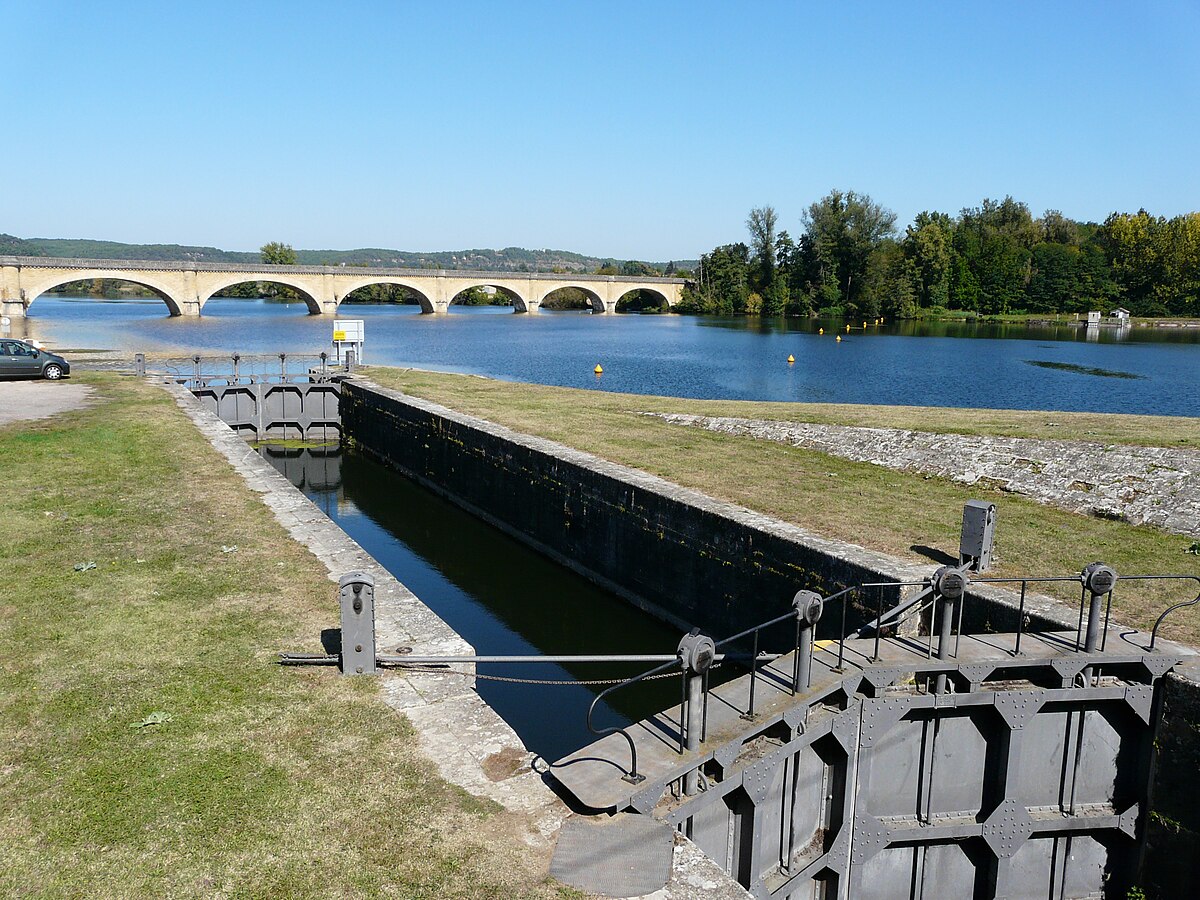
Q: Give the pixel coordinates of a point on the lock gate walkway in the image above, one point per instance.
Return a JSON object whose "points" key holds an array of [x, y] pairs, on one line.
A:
{"points": [[1026, 775]]}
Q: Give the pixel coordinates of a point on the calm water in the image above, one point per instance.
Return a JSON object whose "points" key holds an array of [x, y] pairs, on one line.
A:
{"points": [[496, 593], [1145, 370]]}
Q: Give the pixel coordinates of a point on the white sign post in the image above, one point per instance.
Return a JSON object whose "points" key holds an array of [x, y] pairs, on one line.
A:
{"points": [[348, 334]]}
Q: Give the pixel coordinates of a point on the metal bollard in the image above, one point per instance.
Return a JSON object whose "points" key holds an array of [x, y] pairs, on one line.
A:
{"points": [[356, 593], [1098, 580], [697, 652], [808, 605], [350, 361], [949, 586], [139, 365]]}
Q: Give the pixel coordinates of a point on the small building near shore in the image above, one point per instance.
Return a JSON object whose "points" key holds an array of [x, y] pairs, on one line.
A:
{"points": [[1093, 317], [1120, 315]]}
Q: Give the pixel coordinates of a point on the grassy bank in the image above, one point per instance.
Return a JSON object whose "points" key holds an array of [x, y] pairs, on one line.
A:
{"points": [[261, 781], [899, 513]]}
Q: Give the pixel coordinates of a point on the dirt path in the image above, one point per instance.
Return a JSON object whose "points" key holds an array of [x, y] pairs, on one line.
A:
{"points": [[24, 400]]}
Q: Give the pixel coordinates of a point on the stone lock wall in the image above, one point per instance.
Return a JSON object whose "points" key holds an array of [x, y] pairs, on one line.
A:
{"points": [[688, 558]]}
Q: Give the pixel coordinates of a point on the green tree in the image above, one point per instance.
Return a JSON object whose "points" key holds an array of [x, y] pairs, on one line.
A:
{"points": [[724, 282], [927, 249], [277, 254], [845, 230], [761, 224]]}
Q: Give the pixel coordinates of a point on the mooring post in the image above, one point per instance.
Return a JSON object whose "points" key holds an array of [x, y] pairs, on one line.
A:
{"points": [[1098, 580], [356, 593], [350, 361], [808, 605], [949, 585], [696, 653], [139, 365]]}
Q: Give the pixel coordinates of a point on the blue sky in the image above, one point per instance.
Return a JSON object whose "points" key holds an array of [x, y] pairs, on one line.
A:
{"points": [[643, 130]]}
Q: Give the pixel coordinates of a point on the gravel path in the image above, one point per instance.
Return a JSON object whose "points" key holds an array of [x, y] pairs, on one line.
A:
{"points": [[1139, 485], [24, 400]]}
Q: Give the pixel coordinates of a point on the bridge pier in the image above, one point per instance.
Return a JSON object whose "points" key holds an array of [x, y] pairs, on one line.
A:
{"points": [[12, 301], [189, 308], [13, 309]]}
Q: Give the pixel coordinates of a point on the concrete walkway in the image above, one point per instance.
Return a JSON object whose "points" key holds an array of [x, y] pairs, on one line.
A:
{"points": [[24, 400]]}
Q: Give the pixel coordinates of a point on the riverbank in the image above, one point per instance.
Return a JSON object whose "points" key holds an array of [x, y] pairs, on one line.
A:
{"points": [[903, 514], [150, 745]]}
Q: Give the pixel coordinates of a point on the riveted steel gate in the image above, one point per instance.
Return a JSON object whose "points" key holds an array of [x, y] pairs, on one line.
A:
{"points": [[974, 765]]}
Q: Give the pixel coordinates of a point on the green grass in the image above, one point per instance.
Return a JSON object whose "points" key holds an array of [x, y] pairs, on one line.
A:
{"points": [[266, 782], [895, 512]]}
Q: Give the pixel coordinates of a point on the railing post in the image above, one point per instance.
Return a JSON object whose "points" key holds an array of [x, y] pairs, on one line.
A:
{"points": [[196, 371], [808, 605], [356, 594], [949, 585], [696, 652]]}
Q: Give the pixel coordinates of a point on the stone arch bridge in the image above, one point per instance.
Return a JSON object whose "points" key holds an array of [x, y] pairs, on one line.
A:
{"points": [[186, 286]]}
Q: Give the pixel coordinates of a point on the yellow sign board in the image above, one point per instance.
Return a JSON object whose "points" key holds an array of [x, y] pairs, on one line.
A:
{"points": [[339, 335]]}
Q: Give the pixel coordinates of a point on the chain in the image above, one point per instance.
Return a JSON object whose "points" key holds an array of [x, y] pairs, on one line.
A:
{"points": [[590, 683]]}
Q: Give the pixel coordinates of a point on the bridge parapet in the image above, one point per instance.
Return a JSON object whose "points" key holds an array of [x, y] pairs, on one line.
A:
{"points": [[185, 286]]}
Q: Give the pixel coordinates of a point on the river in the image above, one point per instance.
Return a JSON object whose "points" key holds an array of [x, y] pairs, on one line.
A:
{"points": [[1138, 370]]}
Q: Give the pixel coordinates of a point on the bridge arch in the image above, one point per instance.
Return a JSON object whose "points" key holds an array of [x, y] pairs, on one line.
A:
{"points": [[594, 301], [634, 299], [142, 279], [301, 286], [423, 298], [519, 303]]}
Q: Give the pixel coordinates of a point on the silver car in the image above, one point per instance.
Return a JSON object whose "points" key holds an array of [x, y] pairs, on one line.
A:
{"points": [[19, 359]]}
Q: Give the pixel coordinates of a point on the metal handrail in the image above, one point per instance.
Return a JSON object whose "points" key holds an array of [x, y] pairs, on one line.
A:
{"points": [[911, 606], [633, 777], [1170, 609]]}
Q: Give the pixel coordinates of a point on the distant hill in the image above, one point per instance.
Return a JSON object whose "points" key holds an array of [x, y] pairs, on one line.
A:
{"points": [[510, 259]]}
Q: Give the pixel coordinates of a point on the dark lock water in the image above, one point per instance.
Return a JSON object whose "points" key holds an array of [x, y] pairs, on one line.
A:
{"points": [[498, 594]]}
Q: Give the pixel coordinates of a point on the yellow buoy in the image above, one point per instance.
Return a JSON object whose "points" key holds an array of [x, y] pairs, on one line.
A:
{"points": [[839, 338], [820, 331], [791, 359], [864, 324], [599, 370], [847, 329]]}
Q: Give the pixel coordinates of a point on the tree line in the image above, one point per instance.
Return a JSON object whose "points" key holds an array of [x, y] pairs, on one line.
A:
{"points": [[993, 259]]}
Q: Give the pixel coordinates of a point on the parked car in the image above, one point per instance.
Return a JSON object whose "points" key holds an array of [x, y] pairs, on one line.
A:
{"points": [[20, 359]]}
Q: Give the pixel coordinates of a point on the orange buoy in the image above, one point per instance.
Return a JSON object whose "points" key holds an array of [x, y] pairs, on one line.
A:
{"points": [[599, 370]]}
